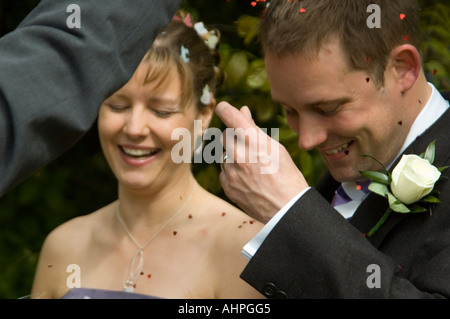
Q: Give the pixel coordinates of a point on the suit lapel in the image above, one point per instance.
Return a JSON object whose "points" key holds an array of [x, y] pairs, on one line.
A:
{"points": [[327, 186]]}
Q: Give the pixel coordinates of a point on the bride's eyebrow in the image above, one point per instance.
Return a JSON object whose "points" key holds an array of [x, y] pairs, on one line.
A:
{"points": [[166, 102]]}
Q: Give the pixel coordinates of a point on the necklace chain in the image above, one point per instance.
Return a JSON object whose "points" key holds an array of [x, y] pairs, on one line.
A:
{"points": [[130, 280]]}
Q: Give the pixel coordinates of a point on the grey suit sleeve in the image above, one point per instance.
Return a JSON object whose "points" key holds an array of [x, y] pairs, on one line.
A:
{"points": [[54, 78]]}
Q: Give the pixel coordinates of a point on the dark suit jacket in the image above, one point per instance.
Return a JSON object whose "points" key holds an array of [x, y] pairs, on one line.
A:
{"points": [[313, 252], [53, 78]]}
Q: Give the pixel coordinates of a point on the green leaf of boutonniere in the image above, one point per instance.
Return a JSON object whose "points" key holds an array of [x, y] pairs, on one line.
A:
{"points": [[379, 188], [396, 205], [443, 168], [418, 209], [429, 153], [377, 177], [430, 199]]}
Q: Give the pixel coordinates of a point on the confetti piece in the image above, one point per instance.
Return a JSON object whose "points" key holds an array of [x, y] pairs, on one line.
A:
{"points": [[402, 16], [358, 187], [406, 38], [302, 10], [435, 71], [254, 3], [367, 59]]}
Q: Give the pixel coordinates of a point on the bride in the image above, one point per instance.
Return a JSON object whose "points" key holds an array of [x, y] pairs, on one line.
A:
{"points": [[165, 236]]}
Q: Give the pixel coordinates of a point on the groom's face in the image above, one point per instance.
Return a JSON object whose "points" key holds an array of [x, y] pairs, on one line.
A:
{"points": [[339, 111]]}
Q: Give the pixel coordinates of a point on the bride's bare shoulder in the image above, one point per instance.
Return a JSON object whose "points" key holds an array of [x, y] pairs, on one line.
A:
{"points": [[229, 221], [76, 232]]}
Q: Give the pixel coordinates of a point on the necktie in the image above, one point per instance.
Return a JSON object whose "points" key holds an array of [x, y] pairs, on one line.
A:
{"points": [[349, 196]]}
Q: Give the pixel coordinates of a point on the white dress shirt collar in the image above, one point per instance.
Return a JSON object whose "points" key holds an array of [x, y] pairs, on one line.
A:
{"points": [[433, 110]]}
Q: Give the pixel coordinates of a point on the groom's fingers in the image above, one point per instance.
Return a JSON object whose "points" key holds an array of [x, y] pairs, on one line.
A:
{"points": [[233, 118], [246, 112]]}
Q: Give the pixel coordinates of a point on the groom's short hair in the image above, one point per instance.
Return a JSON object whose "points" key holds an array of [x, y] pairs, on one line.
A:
{"points": [[303, 27]]}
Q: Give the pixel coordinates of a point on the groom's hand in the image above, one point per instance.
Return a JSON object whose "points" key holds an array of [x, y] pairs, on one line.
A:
{"points": [[259, 174]]}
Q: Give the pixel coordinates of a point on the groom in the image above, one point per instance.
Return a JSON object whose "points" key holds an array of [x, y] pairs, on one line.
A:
{"points": [[348, 91]]}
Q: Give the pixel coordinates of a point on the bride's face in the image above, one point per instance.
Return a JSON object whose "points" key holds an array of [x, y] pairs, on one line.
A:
{"points": [[135, 128]]}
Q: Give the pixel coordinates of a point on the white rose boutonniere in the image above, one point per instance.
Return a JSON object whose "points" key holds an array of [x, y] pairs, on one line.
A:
{"points": [[409, 187], [413, 178]]}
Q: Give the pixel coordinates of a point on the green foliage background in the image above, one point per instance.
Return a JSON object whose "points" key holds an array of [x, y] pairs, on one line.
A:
{"points": [[80, 181]]}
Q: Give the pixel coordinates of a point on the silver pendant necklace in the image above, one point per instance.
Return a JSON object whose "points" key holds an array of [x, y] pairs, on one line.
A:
{"points": [[133, 271]]}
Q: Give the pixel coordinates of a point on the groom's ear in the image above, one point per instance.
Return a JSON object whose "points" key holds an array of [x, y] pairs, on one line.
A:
{"points": [[405, 64]]}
